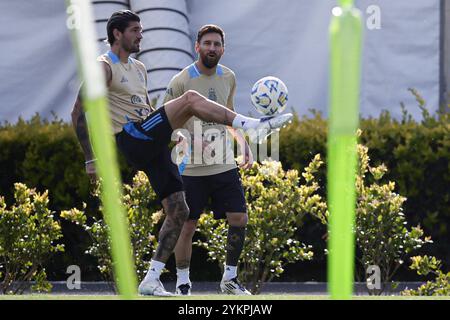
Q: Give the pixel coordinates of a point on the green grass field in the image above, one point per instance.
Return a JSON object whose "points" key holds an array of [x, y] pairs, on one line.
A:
{"points": [[210, 297]]}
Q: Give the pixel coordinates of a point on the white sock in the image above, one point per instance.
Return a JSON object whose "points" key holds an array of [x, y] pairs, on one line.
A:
{"points": [[183, 276], [229, 272], [242, 122], [155, 269]]}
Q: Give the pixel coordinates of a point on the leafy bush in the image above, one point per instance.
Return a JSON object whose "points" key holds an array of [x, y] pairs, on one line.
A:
{"points": [[276, 206], [141, 206], [382, 237], [417, 154], [27, 235], [425, 265], [45, 155]]}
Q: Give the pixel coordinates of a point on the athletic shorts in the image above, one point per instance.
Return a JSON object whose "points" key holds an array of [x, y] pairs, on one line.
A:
{"points": [[221, 192], [145, 147]]}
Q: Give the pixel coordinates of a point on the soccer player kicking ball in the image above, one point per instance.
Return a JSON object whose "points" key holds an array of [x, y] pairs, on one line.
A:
{"points": [[143, 135], [216, 183]]}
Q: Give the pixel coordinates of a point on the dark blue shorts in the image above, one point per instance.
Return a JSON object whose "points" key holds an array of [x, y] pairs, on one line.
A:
{"points": [[221, 193], [145, 146]]}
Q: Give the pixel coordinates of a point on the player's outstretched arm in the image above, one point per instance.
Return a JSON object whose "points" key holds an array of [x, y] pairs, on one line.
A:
{"points": [[80, 125], [81, 128]]}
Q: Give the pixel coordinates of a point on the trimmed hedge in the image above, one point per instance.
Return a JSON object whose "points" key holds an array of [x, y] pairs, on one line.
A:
{"points": [[46, 155]]}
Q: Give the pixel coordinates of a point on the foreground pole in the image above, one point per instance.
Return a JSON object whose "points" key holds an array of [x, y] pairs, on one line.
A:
{"points": [[80, 22], [345, 45]]}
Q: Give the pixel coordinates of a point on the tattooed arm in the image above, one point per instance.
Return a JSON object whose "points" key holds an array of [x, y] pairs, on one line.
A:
{"points": [[81, 128], [80, 125]]}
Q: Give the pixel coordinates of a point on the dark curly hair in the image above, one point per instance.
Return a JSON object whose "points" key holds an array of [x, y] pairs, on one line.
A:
{"points": [[119, 20]]}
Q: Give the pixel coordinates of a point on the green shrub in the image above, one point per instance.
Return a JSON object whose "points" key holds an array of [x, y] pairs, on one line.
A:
{"points": [[382, 236], [425, 265], [417, 154], [44, 155], [27, 235], [143, 216], [276, 204], [301, 140]]}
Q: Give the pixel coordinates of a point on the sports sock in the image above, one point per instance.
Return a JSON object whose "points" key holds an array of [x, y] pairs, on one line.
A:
{"points": [[183, 276], [155, 269], [243, 122], [229, 272], [235, 244]]}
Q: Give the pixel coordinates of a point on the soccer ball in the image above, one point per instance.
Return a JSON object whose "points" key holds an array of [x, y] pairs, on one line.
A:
{"points": [[269, 95]]}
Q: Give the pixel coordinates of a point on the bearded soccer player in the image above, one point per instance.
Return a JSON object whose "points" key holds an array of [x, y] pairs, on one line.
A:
{"points": [[216, 183], [142, 134]]}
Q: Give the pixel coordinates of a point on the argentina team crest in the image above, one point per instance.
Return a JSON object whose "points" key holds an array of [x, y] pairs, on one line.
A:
{"points": [[212, 94]]}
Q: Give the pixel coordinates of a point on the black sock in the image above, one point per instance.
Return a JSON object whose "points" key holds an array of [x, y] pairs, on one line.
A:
{"points": [[235, 244]]}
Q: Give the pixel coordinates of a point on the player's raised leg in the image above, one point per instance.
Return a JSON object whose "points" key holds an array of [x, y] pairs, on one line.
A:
{"points": [[191, 103]]}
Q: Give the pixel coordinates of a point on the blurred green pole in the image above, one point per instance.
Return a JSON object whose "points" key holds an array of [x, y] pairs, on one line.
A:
{"points": [[345, 45], [80, 22]]}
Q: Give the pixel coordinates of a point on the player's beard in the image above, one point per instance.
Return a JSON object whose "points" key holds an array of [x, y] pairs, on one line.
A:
{"points": [[132, 47], [210, 62], [135, 47]]}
